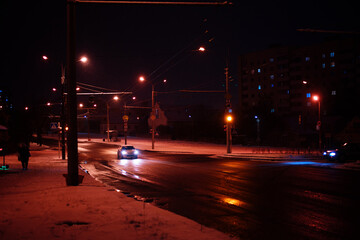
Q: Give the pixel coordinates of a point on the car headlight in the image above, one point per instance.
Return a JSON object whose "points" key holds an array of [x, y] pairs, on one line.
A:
{"points": [[324, 153], [136, 152], [123, 152], [332, 154]]}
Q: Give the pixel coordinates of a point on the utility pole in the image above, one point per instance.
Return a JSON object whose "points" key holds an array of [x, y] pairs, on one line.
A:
{"points": [[152, 117], [62, 117], [125, 119], [107, 122], [73, 174]]}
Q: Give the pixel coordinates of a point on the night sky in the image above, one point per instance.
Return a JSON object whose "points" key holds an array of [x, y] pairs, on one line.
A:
{"points": [[123, 42]]}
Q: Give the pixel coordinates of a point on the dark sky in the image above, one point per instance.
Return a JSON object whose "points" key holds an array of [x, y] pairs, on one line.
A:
{"points": [[124, 41]]}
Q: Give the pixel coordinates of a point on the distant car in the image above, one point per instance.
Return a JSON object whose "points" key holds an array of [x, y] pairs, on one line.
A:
{"points": [[127, 151], [348, 151]]}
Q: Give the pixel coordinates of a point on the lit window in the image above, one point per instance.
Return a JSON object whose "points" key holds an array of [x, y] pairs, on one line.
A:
{"points": [[323, 65], [259, 87], [307, 59], [288, 91], [259, 70], [272, 110], [308, 95], [271, 59], [333, 92], [272, 76], [332, 64], [272, 85], [332, 54]]}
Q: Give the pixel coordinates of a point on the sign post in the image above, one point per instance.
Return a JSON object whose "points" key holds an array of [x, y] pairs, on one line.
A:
{"points": [[125, 119]]}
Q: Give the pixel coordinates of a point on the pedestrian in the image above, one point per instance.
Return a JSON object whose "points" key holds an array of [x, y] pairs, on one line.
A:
{"points": [[23, 155]]}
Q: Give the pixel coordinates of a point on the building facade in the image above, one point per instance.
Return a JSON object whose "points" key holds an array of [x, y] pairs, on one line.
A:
{"points": [[277, 86]]}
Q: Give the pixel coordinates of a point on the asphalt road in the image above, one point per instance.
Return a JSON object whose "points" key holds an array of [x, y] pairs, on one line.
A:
{"points": [[246, 199]]}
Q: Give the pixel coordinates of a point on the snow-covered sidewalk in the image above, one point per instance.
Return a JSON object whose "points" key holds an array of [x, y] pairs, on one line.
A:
{"points": [[37, 204]]}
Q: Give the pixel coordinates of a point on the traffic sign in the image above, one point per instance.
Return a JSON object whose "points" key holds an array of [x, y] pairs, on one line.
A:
{"points": [[54, 125]]}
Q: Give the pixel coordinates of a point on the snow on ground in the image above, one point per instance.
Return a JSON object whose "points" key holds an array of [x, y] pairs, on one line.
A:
{"points": [[37, 204], [238, 152], [196, 147]]}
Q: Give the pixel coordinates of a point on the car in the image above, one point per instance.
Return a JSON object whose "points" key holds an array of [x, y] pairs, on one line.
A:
{"points": [[347, 151], [127, 151]]}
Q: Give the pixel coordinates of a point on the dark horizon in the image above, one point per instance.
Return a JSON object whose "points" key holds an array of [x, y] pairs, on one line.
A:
{"points": [[125, 41]]}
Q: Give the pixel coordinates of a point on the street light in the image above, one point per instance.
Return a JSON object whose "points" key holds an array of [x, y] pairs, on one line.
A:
{"points": [[153, 115], [316, 98], [116, 98], [83, 59], [201, 49], [62, 116]]}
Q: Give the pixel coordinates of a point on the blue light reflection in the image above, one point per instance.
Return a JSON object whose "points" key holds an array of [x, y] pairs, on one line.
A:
{"points": [[299, 163]]}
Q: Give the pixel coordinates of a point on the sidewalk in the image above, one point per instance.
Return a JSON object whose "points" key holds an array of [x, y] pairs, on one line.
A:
{"points": [[37, 204]]}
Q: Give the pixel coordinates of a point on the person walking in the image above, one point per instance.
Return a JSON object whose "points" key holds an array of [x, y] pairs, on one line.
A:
{"points": [[23, 155]]}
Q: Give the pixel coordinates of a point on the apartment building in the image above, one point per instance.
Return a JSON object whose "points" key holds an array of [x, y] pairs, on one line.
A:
{"points": [[278, 83]]}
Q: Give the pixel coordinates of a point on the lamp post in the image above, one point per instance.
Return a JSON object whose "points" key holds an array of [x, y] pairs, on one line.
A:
{"points": [[257, 130], [316, 98], [107, 117], [63, 102], [153, 117], [153, 113]]}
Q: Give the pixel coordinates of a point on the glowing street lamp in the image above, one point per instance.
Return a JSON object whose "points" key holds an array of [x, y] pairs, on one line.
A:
{"points": [[83, 59], [141, 78], [201, 49]]}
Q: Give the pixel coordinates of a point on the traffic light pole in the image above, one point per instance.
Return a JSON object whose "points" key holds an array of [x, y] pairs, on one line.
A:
{"points": [[228, 123]]}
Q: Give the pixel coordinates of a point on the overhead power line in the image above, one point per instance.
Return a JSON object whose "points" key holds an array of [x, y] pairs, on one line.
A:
{"points": [[156, 2], [325, 31]]}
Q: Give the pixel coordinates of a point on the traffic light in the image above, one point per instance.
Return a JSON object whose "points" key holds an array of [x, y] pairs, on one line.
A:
{"points": [[229, 118]]}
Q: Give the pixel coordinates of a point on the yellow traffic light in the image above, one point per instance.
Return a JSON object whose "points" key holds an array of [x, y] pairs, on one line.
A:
{"points": [[229, 118]]}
